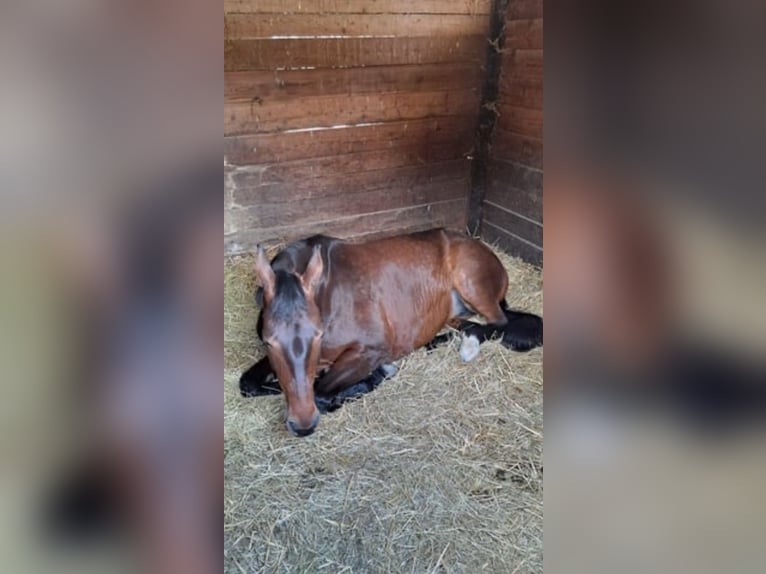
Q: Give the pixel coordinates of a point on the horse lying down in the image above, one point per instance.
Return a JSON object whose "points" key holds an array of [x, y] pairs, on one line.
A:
{"points": [[336, 315]]}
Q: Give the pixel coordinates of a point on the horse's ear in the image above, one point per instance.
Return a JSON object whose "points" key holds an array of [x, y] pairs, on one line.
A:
{"points": [[265, 275], [313, 272]]}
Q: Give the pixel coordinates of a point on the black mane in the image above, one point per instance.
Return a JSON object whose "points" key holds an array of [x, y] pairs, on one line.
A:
{"points": [[288, 297]]}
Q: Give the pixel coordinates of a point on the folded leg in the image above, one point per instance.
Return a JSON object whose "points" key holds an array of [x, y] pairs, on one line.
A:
{"points": [[259, 380]]}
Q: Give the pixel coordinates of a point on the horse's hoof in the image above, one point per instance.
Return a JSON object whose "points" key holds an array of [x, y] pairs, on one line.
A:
{"points": [[259, 388], [469, 348], [389, 370]]}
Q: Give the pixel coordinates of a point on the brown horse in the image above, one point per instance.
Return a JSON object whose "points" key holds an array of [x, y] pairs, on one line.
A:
{"points": [[336, 314]]}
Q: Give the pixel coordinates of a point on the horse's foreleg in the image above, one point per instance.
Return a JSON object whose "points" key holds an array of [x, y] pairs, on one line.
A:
{"points": [[330, 403], [353, 374], [259, 380]]}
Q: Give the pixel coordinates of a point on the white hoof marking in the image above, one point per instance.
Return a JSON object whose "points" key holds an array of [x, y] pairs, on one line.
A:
{"points": [[389, 370], [469, 348]]}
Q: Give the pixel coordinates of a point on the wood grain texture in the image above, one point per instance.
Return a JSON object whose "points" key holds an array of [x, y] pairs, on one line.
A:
{"points": [[520, 96], [251, 26], [513, 223], [512, 208], [336, 167], [330, 185], [517, 175], [284, 84], [362, 135], [517, 148], [523, 62], [358, 6], [350, 52], [524, 34], [450, 214], [525, 9], [280, 147], [522, 201], [523, 121], [323, 206], [296, 113], [511, 244]]}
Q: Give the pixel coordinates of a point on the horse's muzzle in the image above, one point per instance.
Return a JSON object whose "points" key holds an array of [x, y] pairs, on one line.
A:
{"points": [[295, 428]]}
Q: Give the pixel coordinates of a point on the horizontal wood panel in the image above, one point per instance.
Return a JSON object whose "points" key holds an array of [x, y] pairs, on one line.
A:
{"points": [[518, 148], [513, 198], [522, 121], [513, 245], [517, 175], [244, 26], [524, 34], [530, 97], [522, 201], [358, 6], [523, 70], [511, 80], [336, 167], [512, 223], [350, 52], [266, 116], [300, 211], [523, 62], [275, 84], [330, 185], [450, 214], [524, 9], [278, 147]]}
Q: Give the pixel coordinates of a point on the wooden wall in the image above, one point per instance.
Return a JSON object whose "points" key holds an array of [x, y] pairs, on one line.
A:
{"points": [[512, 208], [356, 118]]}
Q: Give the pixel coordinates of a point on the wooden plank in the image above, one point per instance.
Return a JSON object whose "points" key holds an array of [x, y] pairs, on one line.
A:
{"points": [[321, 207], [252, 26], [512, 223], [297, 113], [450, 214], [530, 97], [510, 244], [522, 121], [522, 68], [524, 34], [279, 147], [517, 175], [330, 185], [337, 167], [524, 9], [518, 148], [522, 201], [358, 6], [350, 52], [511, 82], [275, 84], [523, 62]]}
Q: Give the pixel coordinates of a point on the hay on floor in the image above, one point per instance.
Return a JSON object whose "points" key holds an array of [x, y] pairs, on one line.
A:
{"points": [[438, 470]]}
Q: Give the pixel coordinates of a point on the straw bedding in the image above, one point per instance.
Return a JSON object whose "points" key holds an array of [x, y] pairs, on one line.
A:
{"points": [[438, 470]]}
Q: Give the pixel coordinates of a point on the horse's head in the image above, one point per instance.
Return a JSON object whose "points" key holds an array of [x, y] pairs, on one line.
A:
{"points": [[292, 332]]}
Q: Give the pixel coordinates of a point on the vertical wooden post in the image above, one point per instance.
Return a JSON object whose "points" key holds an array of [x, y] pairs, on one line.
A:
{"points": [[487, 114]]}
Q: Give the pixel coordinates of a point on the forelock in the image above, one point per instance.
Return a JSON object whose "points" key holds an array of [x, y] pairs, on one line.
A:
{"points": [[289, 297]]}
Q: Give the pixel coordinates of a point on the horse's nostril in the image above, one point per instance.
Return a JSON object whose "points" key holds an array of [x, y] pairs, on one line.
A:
{"points": [[298, 431]]}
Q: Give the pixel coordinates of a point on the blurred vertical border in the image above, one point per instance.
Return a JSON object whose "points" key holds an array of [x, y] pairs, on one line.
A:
{"points": [[655, 285], [110, 286]]}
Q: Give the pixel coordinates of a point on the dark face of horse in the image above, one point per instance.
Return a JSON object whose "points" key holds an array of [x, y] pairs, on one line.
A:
{"points": [[292, 333]]}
